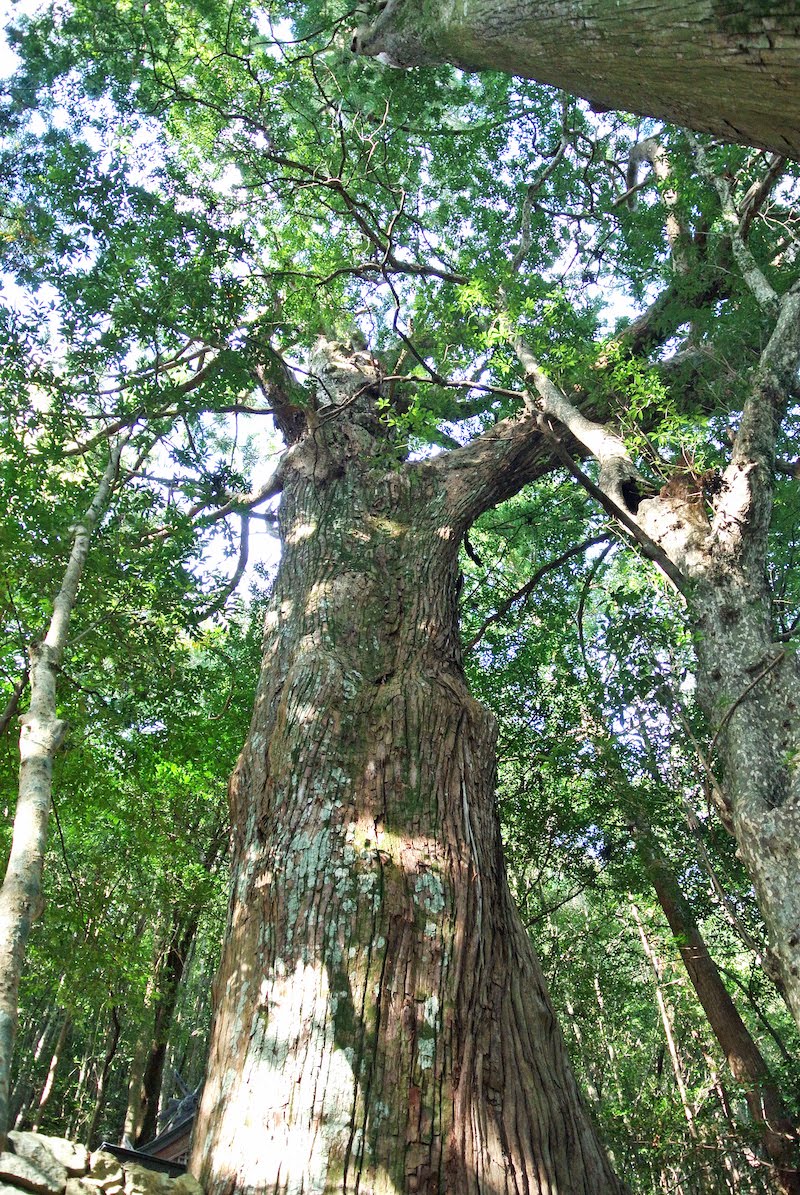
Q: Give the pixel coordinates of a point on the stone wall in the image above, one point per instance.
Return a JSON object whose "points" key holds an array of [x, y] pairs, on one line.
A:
{"points": [[53, 1166]]}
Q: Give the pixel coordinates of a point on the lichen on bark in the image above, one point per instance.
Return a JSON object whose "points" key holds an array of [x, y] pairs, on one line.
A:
{"points": [[381, 1022]]}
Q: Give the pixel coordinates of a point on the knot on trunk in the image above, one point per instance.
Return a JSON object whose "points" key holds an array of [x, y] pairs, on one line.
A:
{"points": [[44, 737], [623, 483]]}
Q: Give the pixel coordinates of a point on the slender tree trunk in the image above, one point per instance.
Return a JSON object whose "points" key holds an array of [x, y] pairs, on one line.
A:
{"points": [[23, 1093], [167, 977], [134, 1112], [726, 67], [77, 1118], [666, 1023], [49, 1083], [743, 1056], [381, 1024], [40, 738], [101, 1094]]}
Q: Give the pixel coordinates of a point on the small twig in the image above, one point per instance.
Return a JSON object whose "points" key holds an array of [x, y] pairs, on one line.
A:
{"points": [[450, 384], [73, 881], [560, 904], [529, 586]]}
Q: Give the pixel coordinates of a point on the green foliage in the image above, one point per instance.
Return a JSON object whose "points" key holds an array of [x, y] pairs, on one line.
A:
{"points": [[189, 197], [587, 677]]}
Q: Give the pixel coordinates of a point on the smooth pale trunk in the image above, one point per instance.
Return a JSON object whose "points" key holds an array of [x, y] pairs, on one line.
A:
{"points": [[41, 734]]}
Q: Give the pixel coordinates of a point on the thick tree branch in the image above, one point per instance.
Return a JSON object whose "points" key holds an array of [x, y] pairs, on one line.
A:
{"points": [[620, 480], [244, 548], [730, 70], [761, 288], [648, 546], [650, 151], [758, 194]]}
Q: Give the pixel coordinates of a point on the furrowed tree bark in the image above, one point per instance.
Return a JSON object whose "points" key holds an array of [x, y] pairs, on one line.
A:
{"points": [[381, 1022], [40, 737], [727, 67], [746, 1063]]}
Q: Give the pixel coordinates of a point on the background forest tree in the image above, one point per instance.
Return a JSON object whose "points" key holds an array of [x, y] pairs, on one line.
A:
{"points": [[193, 199]]}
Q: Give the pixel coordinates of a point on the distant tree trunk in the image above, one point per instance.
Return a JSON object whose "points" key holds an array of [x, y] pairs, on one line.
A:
{"points": [[49, 1083], [666, 1023], [727, 67], [381, 1021], [40, 737], [188, 1047], [77, 1119], [134, 1112], [167, 977], [101, 1091], [24, 1089], [747, 1066]]}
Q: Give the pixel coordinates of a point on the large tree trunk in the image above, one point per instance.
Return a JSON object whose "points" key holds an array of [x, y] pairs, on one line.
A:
{"points": [[748, 684], [381, 1022], [727, 67]]}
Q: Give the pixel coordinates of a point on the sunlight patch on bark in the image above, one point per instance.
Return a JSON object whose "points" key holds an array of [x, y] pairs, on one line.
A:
{"points": [[317, 595], [305, 713], [301, 531], [390, 527], [273, 617], [277, 1149]]}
